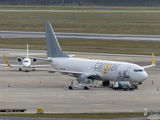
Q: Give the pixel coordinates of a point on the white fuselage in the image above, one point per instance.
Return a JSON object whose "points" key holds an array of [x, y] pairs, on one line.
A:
{"points": [[107, 70], [26, 62]]}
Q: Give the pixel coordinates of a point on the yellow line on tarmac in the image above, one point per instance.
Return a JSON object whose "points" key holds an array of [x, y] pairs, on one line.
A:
{"points": [[8, 99], [146, 96]]}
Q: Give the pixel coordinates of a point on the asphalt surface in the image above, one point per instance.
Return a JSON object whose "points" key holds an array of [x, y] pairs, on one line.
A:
{"points": [[40, 89], [18, 34]]}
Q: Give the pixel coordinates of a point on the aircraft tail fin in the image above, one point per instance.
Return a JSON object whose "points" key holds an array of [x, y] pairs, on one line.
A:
{"points": [[153, 61], [27, 51], [53, 47]]}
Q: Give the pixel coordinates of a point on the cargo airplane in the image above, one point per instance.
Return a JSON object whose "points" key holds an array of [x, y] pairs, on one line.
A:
{"points": [[26, 62], [83, 69]]}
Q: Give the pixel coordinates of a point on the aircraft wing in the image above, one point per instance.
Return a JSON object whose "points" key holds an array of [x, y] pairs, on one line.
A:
{"points": [[16, 66], [20, 66], [33, 66], [49, 59], [152, 64], [74, 73]]}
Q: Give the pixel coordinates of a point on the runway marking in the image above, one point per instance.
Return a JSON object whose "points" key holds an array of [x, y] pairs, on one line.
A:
{"points": [[60, 105], [146, 96], [49, 92], [51, 85], [60, 96], [7, 89], [82, 97], [8, 99], [4, 69], [22, 95]]}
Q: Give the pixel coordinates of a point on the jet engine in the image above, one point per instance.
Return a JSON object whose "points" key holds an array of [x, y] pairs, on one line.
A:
{"points": [[19, 59], [34, 60], [82, 78]]}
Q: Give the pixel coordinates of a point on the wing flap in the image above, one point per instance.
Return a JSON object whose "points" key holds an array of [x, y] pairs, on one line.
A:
{"points": [[33, 66], [74, 73]]}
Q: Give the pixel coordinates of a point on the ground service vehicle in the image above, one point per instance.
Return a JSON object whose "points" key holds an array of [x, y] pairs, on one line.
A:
{"points": [[124, 85], [86, 85]]}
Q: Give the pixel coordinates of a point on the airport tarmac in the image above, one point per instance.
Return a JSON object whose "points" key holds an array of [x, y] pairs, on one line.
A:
{"points": [[40, 89]]}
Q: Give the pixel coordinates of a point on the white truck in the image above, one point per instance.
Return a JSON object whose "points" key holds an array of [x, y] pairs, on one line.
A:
{"points": [[86, 85], [124, 85]]}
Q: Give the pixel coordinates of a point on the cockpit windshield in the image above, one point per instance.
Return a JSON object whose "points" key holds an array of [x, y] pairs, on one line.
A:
{"points": [[138, 70], [26, 61]]}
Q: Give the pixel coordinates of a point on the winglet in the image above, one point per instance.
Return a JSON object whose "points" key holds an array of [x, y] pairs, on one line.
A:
{"points": [[153, 61], [7, 62]]}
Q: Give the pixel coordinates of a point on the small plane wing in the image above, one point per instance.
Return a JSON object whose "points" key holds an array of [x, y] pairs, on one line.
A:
{"points": [[9, 65], [49, 59], [152, 64], [33, 66], [20, 66]]}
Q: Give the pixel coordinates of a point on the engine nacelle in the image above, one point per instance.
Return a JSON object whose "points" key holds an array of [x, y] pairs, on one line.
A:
{"points": [[82, 78], [34, 60], [19, 59]]}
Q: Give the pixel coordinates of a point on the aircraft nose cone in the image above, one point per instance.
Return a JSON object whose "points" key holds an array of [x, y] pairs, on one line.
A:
{"points": [[144, 76]]}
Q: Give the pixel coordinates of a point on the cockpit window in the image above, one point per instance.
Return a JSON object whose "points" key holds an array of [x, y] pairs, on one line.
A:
{"points": [[26, 61], [138, 70]]}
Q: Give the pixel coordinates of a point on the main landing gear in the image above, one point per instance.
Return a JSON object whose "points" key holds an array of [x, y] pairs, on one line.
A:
{"points": [[105, 83]]}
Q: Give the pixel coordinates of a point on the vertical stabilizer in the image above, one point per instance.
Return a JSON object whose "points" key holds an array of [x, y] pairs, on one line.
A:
{"points": [[27, 51], [53, 48]]}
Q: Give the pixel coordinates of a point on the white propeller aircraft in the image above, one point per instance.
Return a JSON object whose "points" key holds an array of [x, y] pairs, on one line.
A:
{"points": [[83, 69], [26, 62]]}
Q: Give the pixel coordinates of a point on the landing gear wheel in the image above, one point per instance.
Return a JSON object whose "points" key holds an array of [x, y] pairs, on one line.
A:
{"points": [[136, 86], [86, 88], [70, 87], [20, 69], [26, 70], [105, 83]]}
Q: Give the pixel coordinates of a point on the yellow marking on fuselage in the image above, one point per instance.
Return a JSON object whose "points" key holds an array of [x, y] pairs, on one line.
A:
{"points": [[107, 67]]}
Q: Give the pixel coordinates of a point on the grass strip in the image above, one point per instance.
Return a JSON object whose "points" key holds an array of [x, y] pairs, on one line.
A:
{"points": [[147, 23], [85, 45], [75, 7], [76, 115]]}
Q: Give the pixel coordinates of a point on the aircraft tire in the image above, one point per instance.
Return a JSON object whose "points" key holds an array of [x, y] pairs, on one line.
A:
{"points": [[105, 83], [136, 87], [86, 88], [70, 88]]}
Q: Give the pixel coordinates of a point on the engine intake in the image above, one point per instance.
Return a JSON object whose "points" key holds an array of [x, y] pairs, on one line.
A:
{"points": [[19, 59], [82, 78], [34, 60]]}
